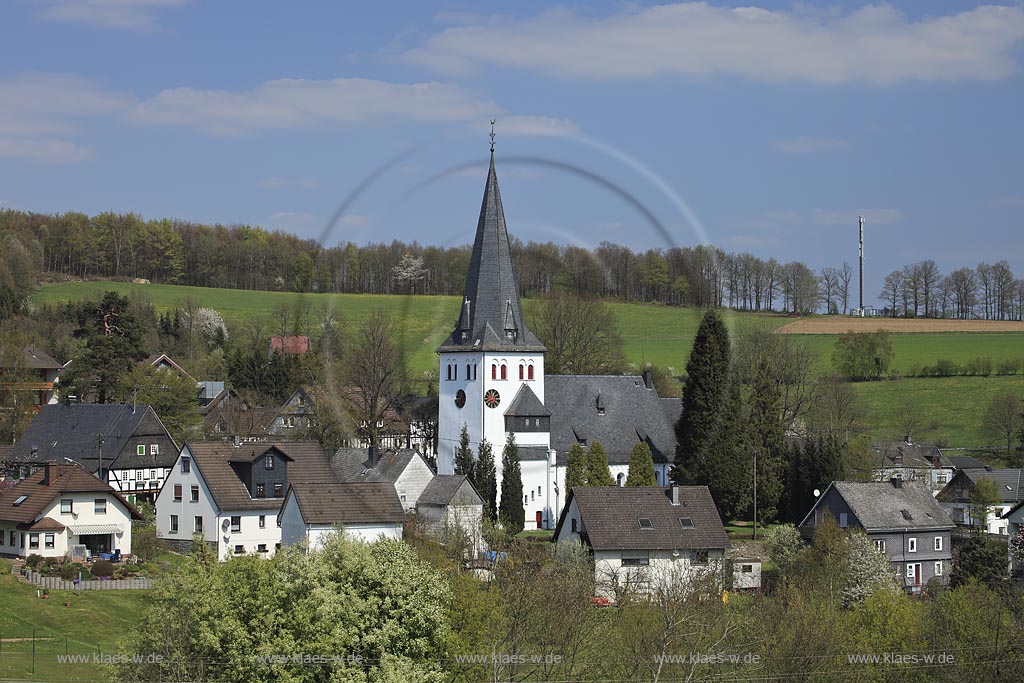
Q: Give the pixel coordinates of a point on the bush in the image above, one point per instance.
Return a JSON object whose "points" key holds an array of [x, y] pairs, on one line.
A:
{"points": [[944, 367], [102, 568], [69, 572], [978, 366], [33, 561]]}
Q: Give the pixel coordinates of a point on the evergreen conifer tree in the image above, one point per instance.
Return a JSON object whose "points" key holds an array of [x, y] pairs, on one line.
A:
{"points": [[641, 466], [486, 480], [768, 442], [598, 473], [704, 393], [464, 455], [511, 513], [575, 468], [729, 465]]}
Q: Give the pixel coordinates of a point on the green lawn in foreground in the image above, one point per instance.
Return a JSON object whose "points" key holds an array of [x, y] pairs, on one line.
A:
{"points": [[95, 622]]}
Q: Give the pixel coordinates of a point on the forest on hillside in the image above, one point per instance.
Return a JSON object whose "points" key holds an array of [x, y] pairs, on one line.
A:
{"points": [[125, 245]]}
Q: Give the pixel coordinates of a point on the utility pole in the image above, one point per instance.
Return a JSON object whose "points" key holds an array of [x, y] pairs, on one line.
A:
{"points": [[99, 453], [861, 221], [755, 494]]}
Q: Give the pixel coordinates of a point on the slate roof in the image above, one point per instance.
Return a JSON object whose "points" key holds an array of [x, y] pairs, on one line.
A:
{"points": [[879, 505], [611, 514], [68, 430], [673, 407], [632, 413], [533, 453], [333, 503], [213, 460], [491, 318], [902, 454], [963, 462], [162, 360], [526, 404], [443, 487], [353, 465], [37, 359], [1008, 481], [67, 479]]}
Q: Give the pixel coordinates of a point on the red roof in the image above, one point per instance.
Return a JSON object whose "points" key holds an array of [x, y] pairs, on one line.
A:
{"points": [[295, 345]]}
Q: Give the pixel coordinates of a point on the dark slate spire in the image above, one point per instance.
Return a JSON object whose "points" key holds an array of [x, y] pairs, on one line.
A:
{"points": [[490, 318]]}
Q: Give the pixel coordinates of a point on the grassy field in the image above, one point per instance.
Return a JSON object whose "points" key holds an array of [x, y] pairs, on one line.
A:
{"points": [[94, 622]]}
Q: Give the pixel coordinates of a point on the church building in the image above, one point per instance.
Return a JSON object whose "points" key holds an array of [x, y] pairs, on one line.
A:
{"points": [[492, 382]]}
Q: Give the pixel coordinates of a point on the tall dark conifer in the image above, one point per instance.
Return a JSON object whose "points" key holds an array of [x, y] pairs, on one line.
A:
{"points": [[464, 455], [704, 393], [767, 440], [729, 467], [485, 480], [511, 513]]}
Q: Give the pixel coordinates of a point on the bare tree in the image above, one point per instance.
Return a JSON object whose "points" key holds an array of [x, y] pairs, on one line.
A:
{"points": [[1003, 418], [373, 374], [834, 406], [829, 283], [963, 290], [912, 287], [581, 336], [930, 277], [789, 361], [845, 275], [891, 289]]}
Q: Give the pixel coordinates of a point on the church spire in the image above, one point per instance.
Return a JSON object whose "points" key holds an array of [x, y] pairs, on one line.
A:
{"points": [[491, 317]]}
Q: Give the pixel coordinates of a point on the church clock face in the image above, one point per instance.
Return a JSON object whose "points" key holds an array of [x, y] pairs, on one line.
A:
{"points": [[460, 398], [492, 398]]}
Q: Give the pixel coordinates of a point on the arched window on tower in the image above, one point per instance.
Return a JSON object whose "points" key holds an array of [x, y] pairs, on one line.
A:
{"points": [[521, 373], [529, 372], [468, 376], [504, 371]]}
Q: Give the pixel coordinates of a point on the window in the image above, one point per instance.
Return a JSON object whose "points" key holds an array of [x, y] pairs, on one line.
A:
{"points": [[531, 494], [100, 506], [494, 371], [67, 506], [239, 549], [268, 462], [575, 525], [195, 494], [278, 489], [49, 540], [941, 478], [880, 546], [236, 524], [938, 542], [911, 545], [746, 569], [645, 523], [261, 489], [843, 520], [700, 557], [197, 524], [261, 548], [529, 372], [263, 521], [186, 464], [174, 524], [448, 372], [140, 474], [33, 540], [526, 499], [469, 371], [910, 571], [177, 493], [686, 522], [522, 372], [635, 559], [938, 569], [152, 474], [154, 449], [504, 371], [140, 449], [140, 485], [14, 539]]}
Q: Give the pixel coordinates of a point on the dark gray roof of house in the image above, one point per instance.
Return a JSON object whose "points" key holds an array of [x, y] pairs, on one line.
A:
{"points": [[1008, 481], [353, 503], [533, 453], [963, 462], [38, 359], [353, 464], [69, 430], [632, 413], [902, 454], [490, 317], [444, 487], [673, 407], [880, 505], [526, 404], [611, 518]]}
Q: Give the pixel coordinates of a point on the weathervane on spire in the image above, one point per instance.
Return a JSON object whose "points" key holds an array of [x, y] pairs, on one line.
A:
{"points": [[493, 121]]}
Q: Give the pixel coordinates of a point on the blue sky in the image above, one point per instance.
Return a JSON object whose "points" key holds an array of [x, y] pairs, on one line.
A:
{"points": [[764, 128]]}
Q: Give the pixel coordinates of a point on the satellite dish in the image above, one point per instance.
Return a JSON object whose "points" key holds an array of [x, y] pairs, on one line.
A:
{"points": [[817, 493], [226, 524]]}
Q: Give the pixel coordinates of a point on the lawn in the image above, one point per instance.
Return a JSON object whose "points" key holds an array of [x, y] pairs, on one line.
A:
{"points": [[93, 623]]}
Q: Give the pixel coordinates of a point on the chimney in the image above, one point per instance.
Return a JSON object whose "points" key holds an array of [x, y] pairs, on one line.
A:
{"points": [[374, 456], [648, 378], [897, 482], [50, 473], [675, 495], [236, 440]]}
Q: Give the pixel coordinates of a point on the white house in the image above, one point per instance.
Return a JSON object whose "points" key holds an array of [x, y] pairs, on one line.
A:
{"points": [[405, 469], [1015, 526], [956, 497], [492, 382], [364, 512], [60, 507], [646, 537], [231, 495], [912, 462], [450, 502]]}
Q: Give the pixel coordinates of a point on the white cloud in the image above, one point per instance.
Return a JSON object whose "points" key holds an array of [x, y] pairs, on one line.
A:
{"points": [[136, 15], [875, 44], [804, 145], [42, 119], [277, 183], [289, 103]]}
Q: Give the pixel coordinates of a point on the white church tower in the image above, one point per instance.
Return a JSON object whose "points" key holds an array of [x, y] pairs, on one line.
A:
{"points": [[492, 366]]}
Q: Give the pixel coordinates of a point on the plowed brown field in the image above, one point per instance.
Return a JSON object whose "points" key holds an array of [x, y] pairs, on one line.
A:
{"points": [[843, 324]]}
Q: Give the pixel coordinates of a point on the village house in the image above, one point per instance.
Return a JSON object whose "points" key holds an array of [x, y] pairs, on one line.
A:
{"points": [[646, 538], [405, 469], [492, 381], [912, 462], [1014, 527], [957, 498], [59, 507], [367, 511], [451, 506], [231, 494], [38, 378], [125, 445], [903, 520]]}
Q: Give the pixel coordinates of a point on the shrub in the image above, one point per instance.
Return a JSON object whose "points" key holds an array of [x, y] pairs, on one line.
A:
{"points": [[978, 366], [68, 572], [944, 367], [102, 568], [33, 561], [1007, 367]]}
